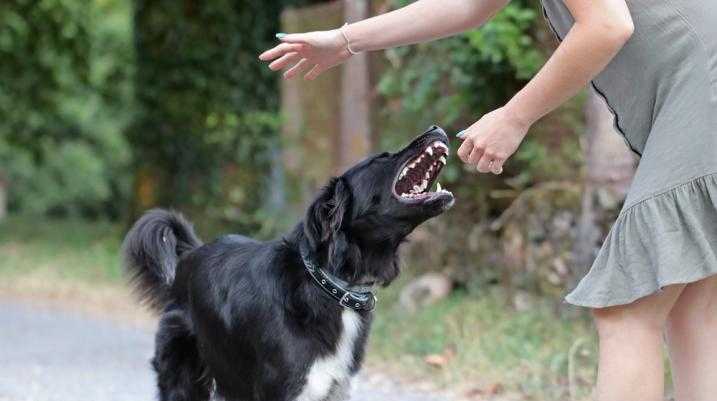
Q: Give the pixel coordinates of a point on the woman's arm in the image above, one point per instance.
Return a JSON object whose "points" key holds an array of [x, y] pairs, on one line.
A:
{"points": [[420, 21], [601, 29]]}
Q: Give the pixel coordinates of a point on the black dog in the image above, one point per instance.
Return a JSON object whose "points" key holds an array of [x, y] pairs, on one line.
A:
{"points": [[284, 320]]}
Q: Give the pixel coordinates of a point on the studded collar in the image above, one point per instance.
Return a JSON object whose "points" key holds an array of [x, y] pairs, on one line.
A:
{"points": [[355, 298]]}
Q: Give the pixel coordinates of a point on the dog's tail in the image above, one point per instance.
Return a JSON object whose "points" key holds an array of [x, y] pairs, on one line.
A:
{"points": [[151, 251]]}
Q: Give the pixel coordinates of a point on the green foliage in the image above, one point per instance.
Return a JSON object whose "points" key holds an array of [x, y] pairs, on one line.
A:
{"points": [[201, 109], [64, 99], [506, 39], [455, 80], [207, 108]]}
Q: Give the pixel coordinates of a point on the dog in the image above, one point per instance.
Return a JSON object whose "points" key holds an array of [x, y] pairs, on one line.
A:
{"points": [[287, 319]]}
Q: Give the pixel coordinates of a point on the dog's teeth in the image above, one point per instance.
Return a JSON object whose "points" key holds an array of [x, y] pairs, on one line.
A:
{"points": [[443, 160], [417, 188], [441, 145], [438, 186], [429, 150]]}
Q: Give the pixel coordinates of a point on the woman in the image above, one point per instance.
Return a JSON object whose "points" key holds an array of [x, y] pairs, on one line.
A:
{"points": [[655, 62]]}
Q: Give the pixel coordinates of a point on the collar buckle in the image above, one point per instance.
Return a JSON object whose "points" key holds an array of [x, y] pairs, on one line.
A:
{"points": [[361, 301], [341, 292], [345, 302]]}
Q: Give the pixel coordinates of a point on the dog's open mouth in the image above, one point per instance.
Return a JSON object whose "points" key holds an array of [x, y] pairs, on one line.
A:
{"points": [[418, 174]]}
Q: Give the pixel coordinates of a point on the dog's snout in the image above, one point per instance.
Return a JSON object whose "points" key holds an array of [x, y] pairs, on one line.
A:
{"points": [[434, 129]]}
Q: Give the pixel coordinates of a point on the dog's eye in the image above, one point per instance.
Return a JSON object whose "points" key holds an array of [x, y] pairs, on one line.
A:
{"points": [[376, 199]]}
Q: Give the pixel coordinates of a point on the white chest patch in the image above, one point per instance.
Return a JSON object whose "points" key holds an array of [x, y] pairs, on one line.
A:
{"points": [[334, 368]]}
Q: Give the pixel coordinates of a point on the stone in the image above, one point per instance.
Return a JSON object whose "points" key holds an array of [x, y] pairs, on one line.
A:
{"points": [[425, 290]]}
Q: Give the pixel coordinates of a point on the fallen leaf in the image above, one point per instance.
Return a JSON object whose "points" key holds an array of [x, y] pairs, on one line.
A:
{"points": [[436, 360]]}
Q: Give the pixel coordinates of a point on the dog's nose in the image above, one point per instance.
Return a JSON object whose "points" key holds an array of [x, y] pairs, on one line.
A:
{"points": [[434, 129]]}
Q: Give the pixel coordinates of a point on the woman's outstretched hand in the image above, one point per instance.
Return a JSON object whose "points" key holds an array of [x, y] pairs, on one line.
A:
{"points": [[310, 53], [490, 141]]}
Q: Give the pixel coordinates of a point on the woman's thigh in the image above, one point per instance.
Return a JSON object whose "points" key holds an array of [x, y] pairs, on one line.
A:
{"points": [[692, 341], [648, 313], [697, 305]]}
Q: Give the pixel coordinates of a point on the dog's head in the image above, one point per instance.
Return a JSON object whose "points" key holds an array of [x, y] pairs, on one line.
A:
{"points": [[357, 222]]}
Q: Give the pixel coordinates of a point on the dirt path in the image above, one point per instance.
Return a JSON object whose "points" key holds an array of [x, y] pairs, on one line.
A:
{"points": [[57, 355]]}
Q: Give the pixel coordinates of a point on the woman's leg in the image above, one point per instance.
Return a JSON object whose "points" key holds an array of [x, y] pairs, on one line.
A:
{"points": [[692, 339], [631, 365]]}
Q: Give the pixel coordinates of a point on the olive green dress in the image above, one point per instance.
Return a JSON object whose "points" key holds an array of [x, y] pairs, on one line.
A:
{"points": [[662, 88]]}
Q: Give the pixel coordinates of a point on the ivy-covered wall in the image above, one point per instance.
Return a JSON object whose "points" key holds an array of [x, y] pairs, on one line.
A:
{"points": [[206, 123], [65, 97]]}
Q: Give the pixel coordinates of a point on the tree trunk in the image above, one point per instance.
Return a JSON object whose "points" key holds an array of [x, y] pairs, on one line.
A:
{"points": [[311, 111], [355, 136], [609, 168], [3, 197]]}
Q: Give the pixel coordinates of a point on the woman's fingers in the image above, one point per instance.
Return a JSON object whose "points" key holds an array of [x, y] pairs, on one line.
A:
{"points": [[314, 72], [490, 163], [497, 167], [485, 161], [484, 164], [475, 155], [279, 50], [296, 69], [465, 149], [283, 61], [293, 38]]}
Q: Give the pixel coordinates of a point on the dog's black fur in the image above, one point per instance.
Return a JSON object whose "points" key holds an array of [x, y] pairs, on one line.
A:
{"points": [[245, 314]]}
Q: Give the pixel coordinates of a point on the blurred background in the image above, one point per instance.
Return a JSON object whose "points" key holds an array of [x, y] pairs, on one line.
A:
{"points": [[111, 107]]}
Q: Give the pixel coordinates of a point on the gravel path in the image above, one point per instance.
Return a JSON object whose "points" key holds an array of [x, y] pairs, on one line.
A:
{"points": [[51, 355]]}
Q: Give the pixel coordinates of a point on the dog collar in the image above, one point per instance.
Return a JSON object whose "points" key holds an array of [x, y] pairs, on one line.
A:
{"points": [[359, 299]]}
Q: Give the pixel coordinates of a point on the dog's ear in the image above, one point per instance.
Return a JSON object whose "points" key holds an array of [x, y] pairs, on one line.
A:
{"points": [[328, 213]]}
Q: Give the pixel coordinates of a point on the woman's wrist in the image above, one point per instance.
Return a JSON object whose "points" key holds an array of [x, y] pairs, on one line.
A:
{"points": [[518, 115], [355, 42], [339, 43], [349, 46]]}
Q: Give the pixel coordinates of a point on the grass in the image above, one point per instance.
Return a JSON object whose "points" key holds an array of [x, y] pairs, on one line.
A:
{"points": [[485, 349], [488, 348], [62, 249], [60, 263]]}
